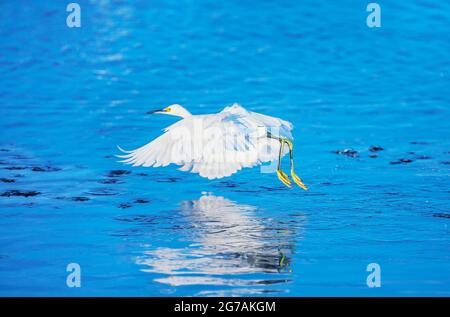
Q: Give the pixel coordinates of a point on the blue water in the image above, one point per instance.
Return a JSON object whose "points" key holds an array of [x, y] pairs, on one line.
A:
{"points": [[69, 95]]}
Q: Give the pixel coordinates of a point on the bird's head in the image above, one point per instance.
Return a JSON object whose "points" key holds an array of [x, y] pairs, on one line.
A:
{"points": [[172, 110]]}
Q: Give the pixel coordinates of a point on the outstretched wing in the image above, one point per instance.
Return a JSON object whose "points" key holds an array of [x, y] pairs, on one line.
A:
{"points": [[276, 126], [214, 146]]}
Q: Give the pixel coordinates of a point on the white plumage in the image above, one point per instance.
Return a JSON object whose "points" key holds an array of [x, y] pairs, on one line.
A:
{"points": [[213, 145]]}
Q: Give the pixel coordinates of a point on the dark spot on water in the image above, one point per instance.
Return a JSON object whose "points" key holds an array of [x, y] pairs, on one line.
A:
{"points": [[192, 226], [45, 169], [270, 282], [271, 189], [21, 193], [373, 156], [79, 198], [34, 168], [141, 201], [419, 142], [401, 161], [15, 168], [110, 181], [442, 215], [168, 180], [347, 152], [124, 205], [102, 192], [423, 157], [75, 198], [4, 150], [375, 148], [137, 218], [108, 156], [392, 193], [115, 173], [229, 184], [7, 180], [445, 162]]}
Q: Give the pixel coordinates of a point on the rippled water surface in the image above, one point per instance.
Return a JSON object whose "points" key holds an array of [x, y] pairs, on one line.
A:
{"points": [[371, 114]]}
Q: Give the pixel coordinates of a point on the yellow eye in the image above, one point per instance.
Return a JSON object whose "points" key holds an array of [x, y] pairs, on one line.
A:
{"points": [[167, 109]]}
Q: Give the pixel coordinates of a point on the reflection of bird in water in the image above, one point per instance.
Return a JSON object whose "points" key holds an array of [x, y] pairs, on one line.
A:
{"points": [[218, 145], [229, 239]]}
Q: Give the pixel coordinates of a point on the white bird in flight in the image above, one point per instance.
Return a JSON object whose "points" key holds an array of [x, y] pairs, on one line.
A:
{"points": [[218, 145]]}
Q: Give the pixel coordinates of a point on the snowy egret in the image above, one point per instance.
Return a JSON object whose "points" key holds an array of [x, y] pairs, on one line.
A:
{"points": [[218, 145]]}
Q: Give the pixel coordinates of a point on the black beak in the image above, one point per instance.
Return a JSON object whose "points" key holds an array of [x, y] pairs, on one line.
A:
{"points": [[155, 111]]}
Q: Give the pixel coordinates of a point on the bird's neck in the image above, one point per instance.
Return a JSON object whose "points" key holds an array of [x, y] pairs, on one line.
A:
{"points": [[185, 114]]}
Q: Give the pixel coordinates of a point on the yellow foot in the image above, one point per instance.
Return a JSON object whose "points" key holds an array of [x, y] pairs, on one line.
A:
{"points": [[284, 178], [298, 181]]}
